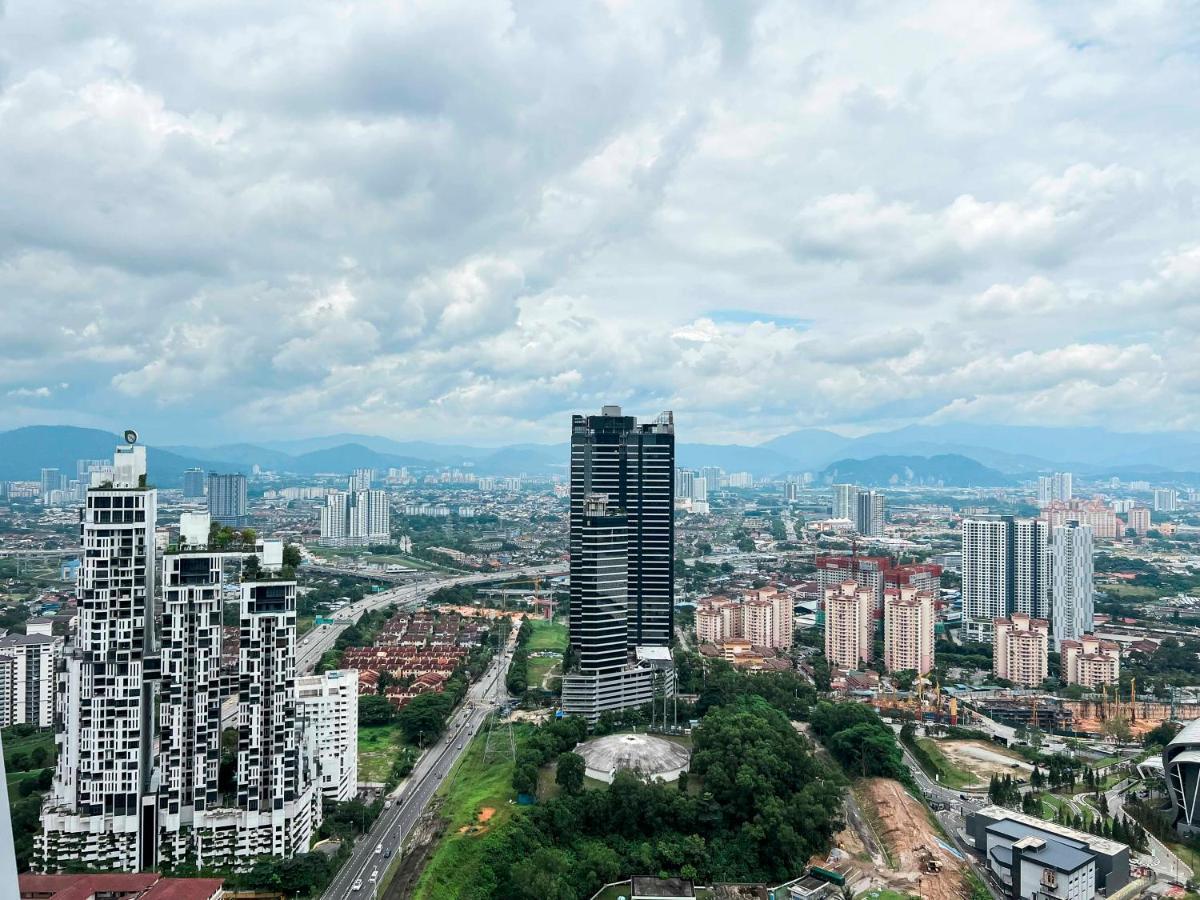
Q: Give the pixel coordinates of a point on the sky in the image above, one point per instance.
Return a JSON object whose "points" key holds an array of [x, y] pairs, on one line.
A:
{"points": [[465, 221]]}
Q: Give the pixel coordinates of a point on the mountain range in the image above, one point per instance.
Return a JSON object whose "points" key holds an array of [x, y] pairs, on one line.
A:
{"points": [[953, 454]]}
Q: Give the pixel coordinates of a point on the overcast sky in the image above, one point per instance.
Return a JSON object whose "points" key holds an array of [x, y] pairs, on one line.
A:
{"points": [[457, 220]]}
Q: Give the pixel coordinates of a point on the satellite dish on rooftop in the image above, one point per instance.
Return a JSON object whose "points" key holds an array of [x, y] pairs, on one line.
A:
{"points": [[130, 436]]}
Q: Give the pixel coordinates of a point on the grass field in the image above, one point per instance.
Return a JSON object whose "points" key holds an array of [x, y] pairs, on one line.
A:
{"points": [[474, 789], [1133, 591], [948, 773], [378, 747], [546, 635], [538, 666]]}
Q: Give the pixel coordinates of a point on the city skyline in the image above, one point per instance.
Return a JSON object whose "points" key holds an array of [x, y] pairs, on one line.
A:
{"points": [[782, 219]]}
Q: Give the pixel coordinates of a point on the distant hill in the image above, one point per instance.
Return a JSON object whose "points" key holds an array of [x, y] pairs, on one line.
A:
{"points": [[247, 455], [347, 457], [944, 469], [25, 451]]}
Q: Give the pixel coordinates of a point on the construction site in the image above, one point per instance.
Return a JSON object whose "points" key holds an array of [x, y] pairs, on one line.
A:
{"points": [[891, 843], [1093, 716]]}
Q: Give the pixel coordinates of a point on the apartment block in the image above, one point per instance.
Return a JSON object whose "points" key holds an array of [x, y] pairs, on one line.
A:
{"points": [[849, 625], [1091, 661], [908, 622], [763, 617], [27, 695], [329, 704], [356, 519], [1021, 649]]}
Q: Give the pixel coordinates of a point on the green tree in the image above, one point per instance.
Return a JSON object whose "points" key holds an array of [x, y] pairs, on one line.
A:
{"points": [[569, 772], [423, 718], [291, 556], [374, 709]]}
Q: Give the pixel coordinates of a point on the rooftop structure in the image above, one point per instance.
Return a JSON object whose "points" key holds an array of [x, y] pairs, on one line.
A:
{"points": [[651, 757]]}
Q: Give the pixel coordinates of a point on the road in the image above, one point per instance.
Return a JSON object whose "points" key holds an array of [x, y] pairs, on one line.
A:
{"points": [[375, 851], [1160, 859], [953, 817]]}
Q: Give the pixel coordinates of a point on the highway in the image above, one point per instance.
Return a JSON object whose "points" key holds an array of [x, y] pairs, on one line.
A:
{"points": [[376, 850]]}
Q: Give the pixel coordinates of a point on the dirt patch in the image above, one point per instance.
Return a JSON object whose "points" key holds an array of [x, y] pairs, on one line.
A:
{"points": [[905, 829], [983, 760], [486, 813], [420, 846], [535, 716]]}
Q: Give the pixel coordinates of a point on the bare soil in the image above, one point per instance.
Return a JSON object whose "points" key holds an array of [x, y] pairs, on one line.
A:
{"points": [[909, 836], [983, 760]]}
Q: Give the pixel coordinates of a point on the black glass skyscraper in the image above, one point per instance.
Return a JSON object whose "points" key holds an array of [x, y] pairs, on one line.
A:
{"points": [[633, 467]]}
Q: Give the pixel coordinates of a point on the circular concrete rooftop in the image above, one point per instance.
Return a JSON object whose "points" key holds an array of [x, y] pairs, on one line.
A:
{"points": [[649, 756]]}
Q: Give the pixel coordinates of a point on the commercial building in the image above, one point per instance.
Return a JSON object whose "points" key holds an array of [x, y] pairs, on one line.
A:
{"points": [[101, 793], [1181, 765], [356, 519], [849, 625], [632, 466], [28, 664], [1012, 565], [604, 678], [1021, 649], [908, 622], [227, 499], [1036, 860], [329, 705], [622, 550], [194, 481], [1090, 661]]}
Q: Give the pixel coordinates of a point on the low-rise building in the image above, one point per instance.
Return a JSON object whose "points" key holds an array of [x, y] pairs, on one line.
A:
{"points": [[1037, 859], [1021, 649], [1090, 661]]}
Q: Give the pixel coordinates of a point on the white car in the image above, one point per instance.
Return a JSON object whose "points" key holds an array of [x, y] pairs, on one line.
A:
{"points": [[357, 886]]}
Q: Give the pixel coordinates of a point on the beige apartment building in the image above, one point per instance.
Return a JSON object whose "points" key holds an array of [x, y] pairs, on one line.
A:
{"points": [[1091, 661], [849, 625], [764, 618], [1021, 648], [908, 620]]}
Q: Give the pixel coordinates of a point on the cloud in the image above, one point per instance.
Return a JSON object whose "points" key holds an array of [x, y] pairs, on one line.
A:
{"points": [[469, 219]]}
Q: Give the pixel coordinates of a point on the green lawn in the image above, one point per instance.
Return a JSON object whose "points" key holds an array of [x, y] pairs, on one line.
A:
{"points": [[546, 635], [473, 787], [949, 774], [378, 747], [1133, 591], [538, 667]]}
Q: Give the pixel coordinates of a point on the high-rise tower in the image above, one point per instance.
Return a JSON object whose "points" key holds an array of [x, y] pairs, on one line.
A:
{"points": [[622, 546], [633, 466], [227, 499], [100, 811]]}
